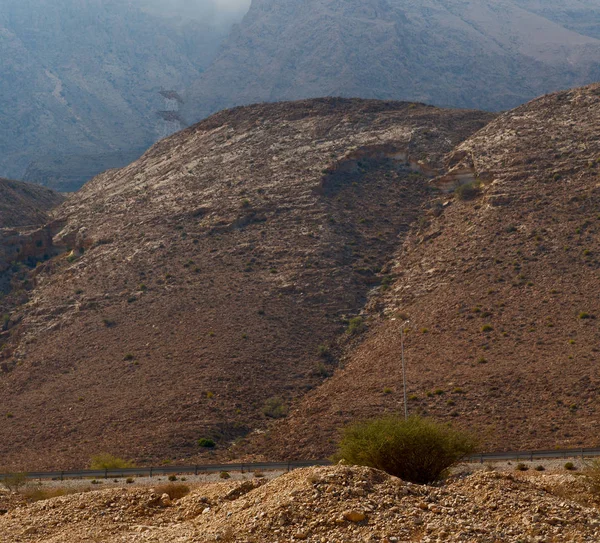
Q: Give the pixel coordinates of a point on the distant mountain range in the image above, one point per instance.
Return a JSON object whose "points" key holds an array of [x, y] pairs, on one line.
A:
{"points": [[490, 54], [81, 79]]}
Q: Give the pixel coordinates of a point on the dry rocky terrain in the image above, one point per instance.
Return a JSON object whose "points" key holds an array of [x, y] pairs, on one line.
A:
{"points": [[196, 286], [329, 505]]}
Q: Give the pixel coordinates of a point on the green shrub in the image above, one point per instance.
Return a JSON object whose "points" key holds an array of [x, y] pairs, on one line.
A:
{"points": [[569, 466], [468, 191], [522, 467], [418, 450], [355, 326], [172, 478], [224, 475], [206, 443], [108, 461], [129, 480], [275, 408]]}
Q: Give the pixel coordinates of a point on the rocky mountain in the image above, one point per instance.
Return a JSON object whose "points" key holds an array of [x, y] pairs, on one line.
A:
{"points": [[196, 286], [81, 79], [476, 53], [261, 265], [501, 293]]}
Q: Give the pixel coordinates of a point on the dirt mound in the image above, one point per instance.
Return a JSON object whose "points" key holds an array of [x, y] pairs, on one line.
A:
{"points": [[501, 293], [197, 285], [331, 504]]}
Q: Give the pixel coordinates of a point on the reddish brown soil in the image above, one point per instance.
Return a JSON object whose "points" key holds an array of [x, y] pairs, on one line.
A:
{"points": [[199, 282]]}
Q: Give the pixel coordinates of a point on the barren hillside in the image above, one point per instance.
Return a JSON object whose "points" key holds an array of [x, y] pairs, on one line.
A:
{"points": [[197, 285], [501, 292]]}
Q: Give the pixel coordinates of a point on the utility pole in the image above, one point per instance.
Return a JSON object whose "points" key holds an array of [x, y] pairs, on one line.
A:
{"points": [[404, 369]]}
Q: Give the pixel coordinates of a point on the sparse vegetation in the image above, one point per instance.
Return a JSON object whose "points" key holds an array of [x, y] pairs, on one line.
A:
{"points": [[569, 466], [522, 467], [418, 450], [224, 475], [206, 443]]}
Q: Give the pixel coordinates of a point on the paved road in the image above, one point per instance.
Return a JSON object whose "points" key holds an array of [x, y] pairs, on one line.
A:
{"points": [[288, 466]]}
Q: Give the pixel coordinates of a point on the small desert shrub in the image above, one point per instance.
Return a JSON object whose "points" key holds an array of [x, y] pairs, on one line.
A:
{"points": [[14, 482], [206, 443], [540, 468], [522, 467], [275, 408], [108, 461], [224, 475], [468, 191], [172, 478], [175, 491], [129, 480], [259, 474], [355, 326], [487, 328], [569, 466], [323, 351], [418, 450]]}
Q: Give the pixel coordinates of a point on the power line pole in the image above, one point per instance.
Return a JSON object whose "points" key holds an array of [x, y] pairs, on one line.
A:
{"points": [[404, 369]]}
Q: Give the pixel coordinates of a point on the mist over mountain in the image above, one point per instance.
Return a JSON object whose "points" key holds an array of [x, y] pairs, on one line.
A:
{"points": [[82, 78], [484, 54]]}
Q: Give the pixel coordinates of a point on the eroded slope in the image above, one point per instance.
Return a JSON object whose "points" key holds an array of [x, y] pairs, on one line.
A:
{"points": [[501, 292]]}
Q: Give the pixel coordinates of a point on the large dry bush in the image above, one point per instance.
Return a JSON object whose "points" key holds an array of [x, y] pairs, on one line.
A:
{"points": [[417, 450]]}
